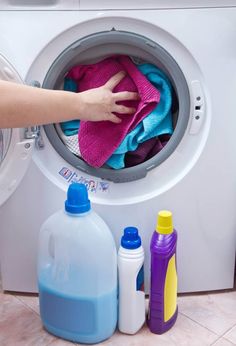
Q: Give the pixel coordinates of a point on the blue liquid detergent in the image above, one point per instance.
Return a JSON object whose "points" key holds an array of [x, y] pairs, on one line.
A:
{"points": [[83, 319]]}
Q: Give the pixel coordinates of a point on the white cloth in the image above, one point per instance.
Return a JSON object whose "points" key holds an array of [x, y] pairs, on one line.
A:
{"points": [[71, 142]]}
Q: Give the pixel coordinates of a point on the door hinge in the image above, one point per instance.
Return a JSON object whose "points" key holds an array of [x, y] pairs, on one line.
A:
{"points": [[34, 132]]}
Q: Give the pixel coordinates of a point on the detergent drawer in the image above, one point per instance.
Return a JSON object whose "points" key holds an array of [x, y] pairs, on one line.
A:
{"points": [[153, 4]]}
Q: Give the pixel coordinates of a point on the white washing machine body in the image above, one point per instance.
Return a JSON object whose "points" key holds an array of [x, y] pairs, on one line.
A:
{"points": [[196, 179]]}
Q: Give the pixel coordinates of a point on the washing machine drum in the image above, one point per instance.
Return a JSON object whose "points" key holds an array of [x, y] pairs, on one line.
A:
{"points": [[96, 47]]}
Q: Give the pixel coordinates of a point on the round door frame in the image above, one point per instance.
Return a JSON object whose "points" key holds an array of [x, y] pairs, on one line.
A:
{"points": [[64, 62]]}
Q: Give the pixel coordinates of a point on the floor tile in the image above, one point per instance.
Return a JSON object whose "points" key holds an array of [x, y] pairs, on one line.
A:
{"points": [[19, 325], [30, 300], [222, 342], [215, 311], [184, 333], [231, 335], [61, 342]]}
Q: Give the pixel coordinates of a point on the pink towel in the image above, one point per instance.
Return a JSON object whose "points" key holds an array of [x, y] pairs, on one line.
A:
{"points": [[98, 140]]}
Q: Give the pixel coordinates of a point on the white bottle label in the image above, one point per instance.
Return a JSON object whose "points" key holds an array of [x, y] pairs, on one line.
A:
{"points": [[140, 280]]}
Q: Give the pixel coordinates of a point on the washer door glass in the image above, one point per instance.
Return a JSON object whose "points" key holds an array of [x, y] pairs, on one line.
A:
{"points": [[5, 138]]}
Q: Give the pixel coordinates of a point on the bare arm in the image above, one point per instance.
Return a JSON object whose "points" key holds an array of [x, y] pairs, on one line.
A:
{"points": [[22, 106]]}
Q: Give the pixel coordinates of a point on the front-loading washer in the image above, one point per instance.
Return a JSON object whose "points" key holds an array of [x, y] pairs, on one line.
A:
{"points": [[194, 175]]}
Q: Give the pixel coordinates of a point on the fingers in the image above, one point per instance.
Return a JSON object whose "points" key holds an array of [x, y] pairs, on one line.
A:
{"points": [[113, 81], [123, 110], [125, 95], [113, 118]]}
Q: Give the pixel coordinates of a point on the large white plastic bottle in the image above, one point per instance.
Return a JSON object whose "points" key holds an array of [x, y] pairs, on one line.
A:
{"points": [[77, 272], [131, 282]]}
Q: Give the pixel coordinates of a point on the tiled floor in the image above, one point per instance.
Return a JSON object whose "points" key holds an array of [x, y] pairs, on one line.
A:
{"points": [[204, 319]]}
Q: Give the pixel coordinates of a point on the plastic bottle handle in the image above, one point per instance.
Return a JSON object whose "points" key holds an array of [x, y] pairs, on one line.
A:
{"points": [[51, 247]]}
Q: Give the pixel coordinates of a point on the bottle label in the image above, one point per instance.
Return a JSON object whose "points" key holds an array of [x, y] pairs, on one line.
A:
{"points": [[170, 291], [140, 280]]}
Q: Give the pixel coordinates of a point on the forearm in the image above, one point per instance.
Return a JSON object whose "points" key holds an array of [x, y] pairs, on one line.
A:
{"points": [[22, 106]]}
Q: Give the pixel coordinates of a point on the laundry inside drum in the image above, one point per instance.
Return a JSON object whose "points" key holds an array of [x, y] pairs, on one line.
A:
{"points": [[140, 136]]}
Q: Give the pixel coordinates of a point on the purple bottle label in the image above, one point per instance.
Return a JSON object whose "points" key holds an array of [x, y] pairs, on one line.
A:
{"points": [[140, 280]]}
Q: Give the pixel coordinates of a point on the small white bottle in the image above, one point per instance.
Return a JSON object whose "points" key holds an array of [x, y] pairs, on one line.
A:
{"points": [[131, 282]]}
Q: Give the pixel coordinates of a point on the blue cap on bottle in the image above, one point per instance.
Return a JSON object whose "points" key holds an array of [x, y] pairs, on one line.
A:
{"points": [[130, 239], [77, 199]]}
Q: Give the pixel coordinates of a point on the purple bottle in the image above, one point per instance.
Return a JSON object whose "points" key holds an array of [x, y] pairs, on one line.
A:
{"points": [[163, 308]]}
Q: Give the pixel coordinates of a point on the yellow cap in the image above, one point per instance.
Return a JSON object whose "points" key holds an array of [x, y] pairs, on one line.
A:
{"points": [[164, 222]]}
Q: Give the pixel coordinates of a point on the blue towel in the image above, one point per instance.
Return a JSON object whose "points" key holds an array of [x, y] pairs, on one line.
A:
{"points": [[157, 123], [71, 127]]}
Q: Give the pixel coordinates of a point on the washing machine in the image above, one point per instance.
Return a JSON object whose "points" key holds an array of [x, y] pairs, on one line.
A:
{"points": [[194, 175]]}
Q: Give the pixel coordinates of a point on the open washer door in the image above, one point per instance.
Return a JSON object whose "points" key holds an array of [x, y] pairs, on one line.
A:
{"points": [[15, 150]]}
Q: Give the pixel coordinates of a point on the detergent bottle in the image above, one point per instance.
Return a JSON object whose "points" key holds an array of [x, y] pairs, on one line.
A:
{"points": [[131, 282], [77, 272], [163, 289]]}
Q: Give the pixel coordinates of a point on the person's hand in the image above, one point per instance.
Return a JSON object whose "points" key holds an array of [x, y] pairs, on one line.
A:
{"points": [[100, 103]]}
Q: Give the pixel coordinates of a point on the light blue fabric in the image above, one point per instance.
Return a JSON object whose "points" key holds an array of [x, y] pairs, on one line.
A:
{"points": [[158, 122], [70, 128]]}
